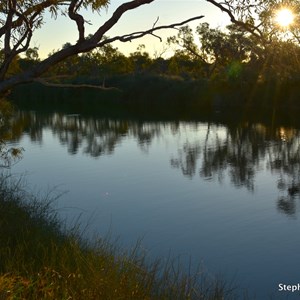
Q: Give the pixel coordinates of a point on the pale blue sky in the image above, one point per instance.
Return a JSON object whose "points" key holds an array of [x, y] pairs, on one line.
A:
{"points": [[57, 32]]}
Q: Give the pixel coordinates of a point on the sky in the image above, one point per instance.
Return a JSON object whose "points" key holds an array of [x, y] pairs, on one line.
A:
{"points": [[55, 33]]}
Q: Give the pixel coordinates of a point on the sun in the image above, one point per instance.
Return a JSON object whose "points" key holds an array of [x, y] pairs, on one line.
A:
{"points": [[284, 17]]}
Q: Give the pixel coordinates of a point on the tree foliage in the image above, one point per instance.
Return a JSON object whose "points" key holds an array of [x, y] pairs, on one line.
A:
{"points": [[253, 45], [252, 33], [19, 20], [253, 48], [8, 155], [257, 17]]}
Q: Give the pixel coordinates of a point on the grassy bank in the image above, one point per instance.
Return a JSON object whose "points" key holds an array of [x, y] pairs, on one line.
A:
{"points": [[39, 259]]}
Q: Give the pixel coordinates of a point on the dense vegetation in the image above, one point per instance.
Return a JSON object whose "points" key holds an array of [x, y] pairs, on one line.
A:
{"points": [[228, 55], [214, 68], [256, 47]]}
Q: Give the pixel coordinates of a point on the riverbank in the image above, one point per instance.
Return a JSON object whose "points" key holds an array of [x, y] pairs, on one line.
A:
{"points": [[167, 100], [156, 97], [41, 259]]}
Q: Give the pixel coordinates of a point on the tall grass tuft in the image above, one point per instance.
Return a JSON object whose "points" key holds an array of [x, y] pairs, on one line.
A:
{"points": [[40, 259]]}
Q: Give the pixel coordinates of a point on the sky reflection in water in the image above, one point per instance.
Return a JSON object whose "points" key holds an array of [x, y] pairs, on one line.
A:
{"points": [[227, 196]]}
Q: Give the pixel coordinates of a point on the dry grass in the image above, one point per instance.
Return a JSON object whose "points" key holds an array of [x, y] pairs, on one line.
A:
{"points": [[40, 260]]}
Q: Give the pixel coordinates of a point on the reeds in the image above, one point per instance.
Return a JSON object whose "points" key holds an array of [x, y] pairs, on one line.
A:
{"points": [[40, 259]]}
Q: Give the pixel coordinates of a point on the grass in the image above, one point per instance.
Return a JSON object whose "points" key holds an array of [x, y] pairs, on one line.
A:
{"points": [[40, 259]]}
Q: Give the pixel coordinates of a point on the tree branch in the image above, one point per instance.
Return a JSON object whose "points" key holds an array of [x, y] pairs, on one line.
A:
{"points": [[7, 39], [248, 27], [8, 24], [85, 45], [139, 34], [70, 85], [115, 18], [26, 35], [34, 9], [77, 18]]}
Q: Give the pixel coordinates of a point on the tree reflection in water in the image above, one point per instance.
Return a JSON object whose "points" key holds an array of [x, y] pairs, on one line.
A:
{"points": [[240, 152], [286, 163], [229, 152], [226, 152], [94, 136]]}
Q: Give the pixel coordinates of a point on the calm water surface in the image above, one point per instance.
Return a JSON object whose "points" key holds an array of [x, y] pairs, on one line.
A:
{"points": [[224, 195]]}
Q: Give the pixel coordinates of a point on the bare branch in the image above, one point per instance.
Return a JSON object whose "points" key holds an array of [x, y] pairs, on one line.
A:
{"points": [[139, 34], [8, 24], [26, 35], [8, 57], [69, 85], [116, 17], [77, 18], [157, 19], [157, 36]]}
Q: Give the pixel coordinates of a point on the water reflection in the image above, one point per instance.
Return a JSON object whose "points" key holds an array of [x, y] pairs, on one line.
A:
{"points": [[215, 152], [96, 137]]}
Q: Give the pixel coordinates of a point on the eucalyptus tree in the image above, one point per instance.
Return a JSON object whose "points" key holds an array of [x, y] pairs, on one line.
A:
{"points": [[213, 48], [258, 17], [265, 35], [19, 20]]}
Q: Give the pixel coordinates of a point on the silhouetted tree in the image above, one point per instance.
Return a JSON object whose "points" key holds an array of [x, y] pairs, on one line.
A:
{"points": [[19, 20]]}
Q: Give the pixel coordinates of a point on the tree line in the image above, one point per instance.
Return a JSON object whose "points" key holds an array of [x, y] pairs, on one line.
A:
{"points": [[207, 53], [253, 47]]}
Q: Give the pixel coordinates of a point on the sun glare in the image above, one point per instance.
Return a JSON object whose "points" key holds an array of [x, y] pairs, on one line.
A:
{"points": [[284, 17]]}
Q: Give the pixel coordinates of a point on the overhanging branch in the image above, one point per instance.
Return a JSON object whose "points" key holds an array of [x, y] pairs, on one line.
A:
{"points": [[77, 18], [83, 45], [70, 85], [139, 34], [248, 27], [116, 17], [33, 11]]}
